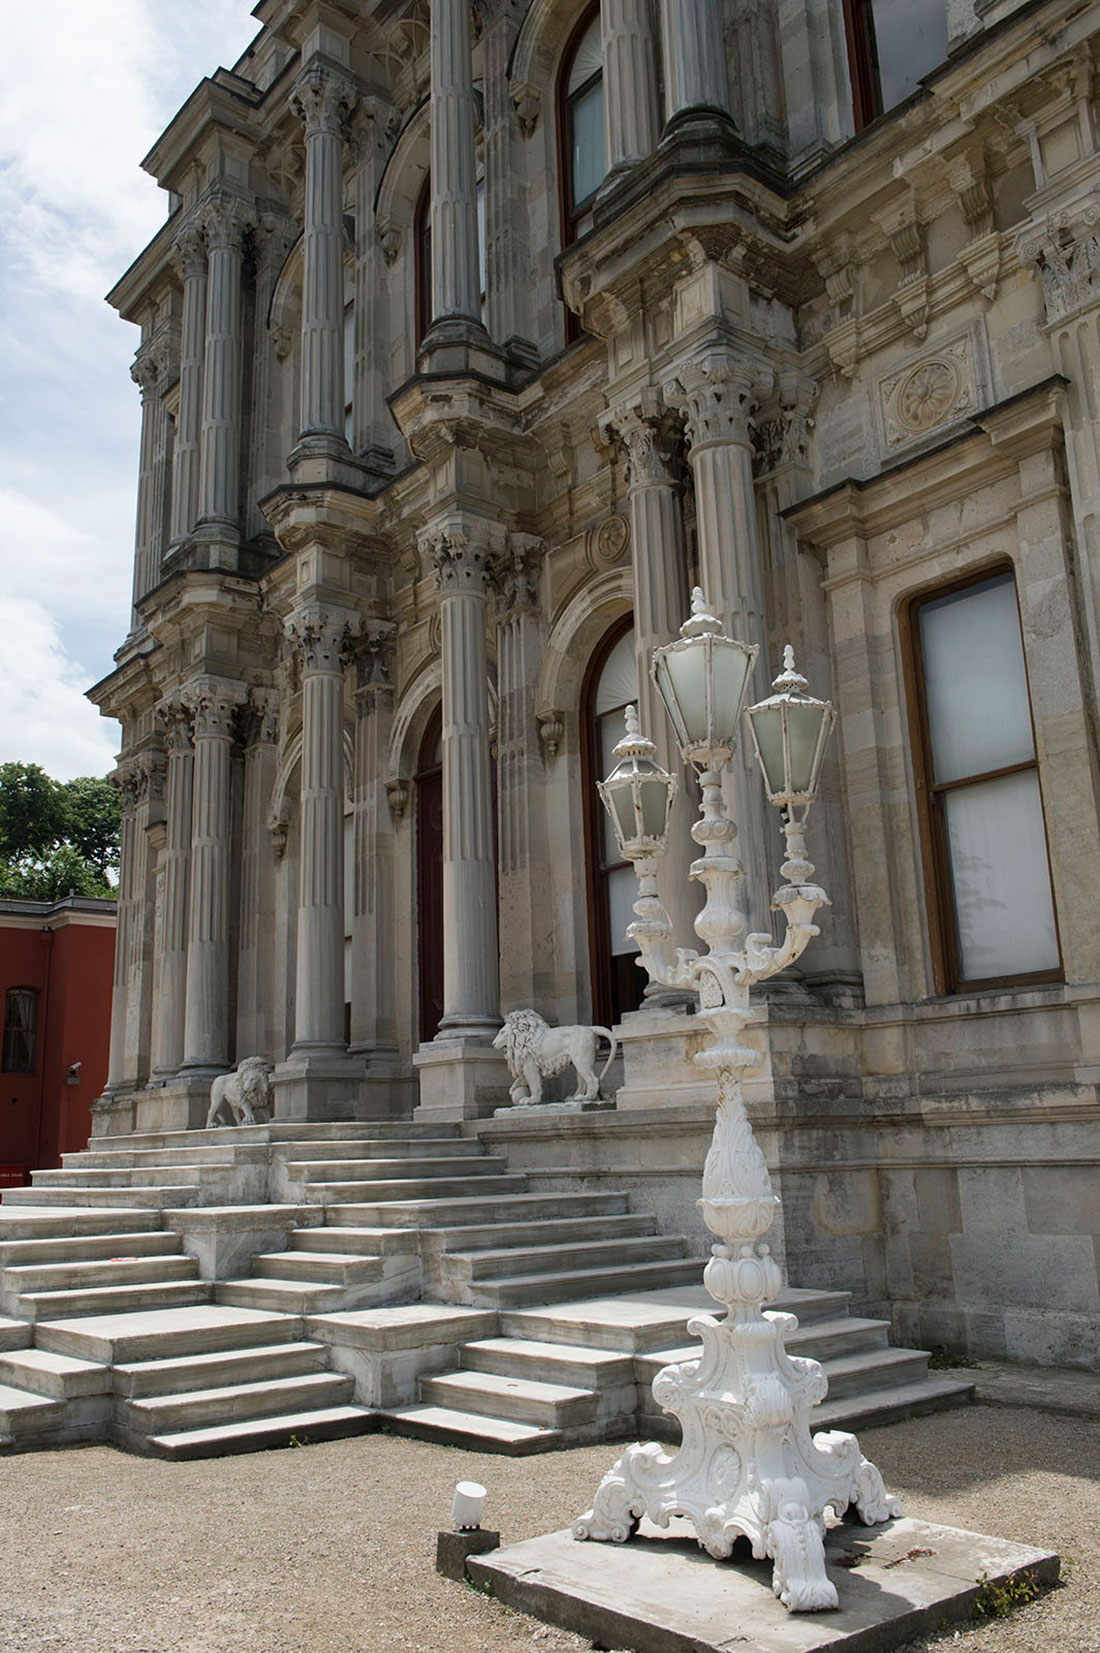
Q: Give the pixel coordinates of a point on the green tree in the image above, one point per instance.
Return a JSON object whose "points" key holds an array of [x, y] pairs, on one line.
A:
{"points": [[57, 838]]}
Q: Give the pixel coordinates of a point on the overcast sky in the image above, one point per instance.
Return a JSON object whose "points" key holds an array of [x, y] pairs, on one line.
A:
{"points": [[86, 86]]}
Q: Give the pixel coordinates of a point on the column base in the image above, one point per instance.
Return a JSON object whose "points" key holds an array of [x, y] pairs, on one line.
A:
{"points": [[700, 134], [326, 459], [181, 1103], [215, 543], [113, 1113], [320, 1084], [460, 1081], [458, 345]]}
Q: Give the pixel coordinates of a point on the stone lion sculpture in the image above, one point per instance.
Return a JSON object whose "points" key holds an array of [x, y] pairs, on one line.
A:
{"points": [[236, 1097], [535, 1050]]}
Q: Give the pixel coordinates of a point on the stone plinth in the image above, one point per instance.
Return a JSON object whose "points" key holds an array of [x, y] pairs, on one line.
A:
{"points": [[660, 1593], [319, 1087], [224, 1238], [460, 1081], [180, 1105]]}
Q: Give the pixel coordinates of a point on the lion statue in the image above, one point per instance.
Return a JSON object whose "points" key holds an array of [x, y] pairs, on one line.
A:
{"points": [[535, 1050], [236, 1098]]}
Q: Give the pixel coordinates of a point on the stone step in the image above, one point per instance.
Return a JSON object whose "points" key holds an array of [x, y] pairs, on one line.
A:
{"points": [[468, 1429], [153, 1197], [556, 1406], [440, 1213], [57, 1377], [427, 1147], [402, 1190], [67, 1222], [85, 1248], [580, 1255], [286, 1296], [100, 1271], [252, 1435], [519, 1289], [861, 1374], [209, 1408], [15, 1334], [24, 1416], [362, 1242], [167, 1333], [326, 1267], [650, 1321], [881, 1406], [553, 1362], [462, 1239], [418, 1167], [89, 1176], [137, 1379], [48, 1305], [230, 1139]]}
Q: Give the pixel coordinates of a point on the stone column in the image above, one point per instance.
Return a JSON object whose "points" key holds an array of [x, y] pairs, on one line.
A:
{"points": [[259, 724], [696, 83], [225, 219], [374, 434], [718, 391], [213, 703], [373, 999], [661, 605], [320, 631], [456, 276], [527, 920], [509, 289], [110, 1114], [174, 715], [631, 107], [471, 974], [146, 780], [189, 253], [322, 96], [145, 375]]}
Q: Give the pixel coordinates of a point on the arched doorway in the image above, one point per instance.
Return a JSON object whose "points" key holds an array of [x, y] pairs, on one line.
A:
{"points": [[429, 876]]}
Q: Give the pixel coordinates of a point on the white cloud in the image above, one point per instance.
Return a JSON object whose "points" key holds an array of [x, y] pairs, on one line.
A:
{"points": [[86, 86]]}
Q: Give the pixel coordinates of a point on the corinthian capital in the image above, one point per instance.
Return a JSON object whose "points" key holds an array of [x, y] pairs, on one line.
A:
{"points": [[718, 392], [650, 438], [515, 574], [189, 250], [320, 634], [459, 555], [274, 236], [144, 372], [1064, 251], [213, 703], [323, 98], [374, 653], [176, 717], [226, 220]]}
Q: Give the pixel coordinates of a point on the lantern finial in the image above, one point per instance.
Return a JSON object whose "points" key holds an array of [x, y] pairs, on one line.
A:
{"points": [[633, 744], [790, 677], [700, 622]]}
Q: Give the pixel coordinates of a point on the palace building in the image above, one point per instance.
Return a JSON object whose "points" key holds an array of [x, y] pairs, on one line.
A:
{"points": [[476, 335]]}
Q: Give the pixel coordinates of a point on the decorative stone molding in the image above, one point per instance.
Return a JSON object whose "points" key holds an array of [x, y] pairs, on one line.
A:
{"points": [[551, 731], [718, 393], [320, 636], [922, 395], [323, 98], [1065, 251], [607, 543], [907, 239]]}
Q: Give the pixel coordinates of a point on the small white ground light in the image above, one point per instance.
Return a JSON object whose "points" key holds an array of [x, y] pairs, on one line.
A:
{"points": [[469, 1501]]}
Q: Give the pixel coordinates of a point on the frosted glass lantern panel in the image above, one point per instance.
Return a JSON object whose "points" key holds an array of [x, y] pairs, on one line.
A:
{"points": [[622, 892], [768, 729], [1003, 908], [975, 683], [681, 678]]}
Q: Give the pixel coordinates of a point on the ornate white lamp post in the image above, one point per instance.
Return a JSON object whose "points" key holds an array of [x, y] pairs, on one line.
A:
{"points": [[748, 1465]]}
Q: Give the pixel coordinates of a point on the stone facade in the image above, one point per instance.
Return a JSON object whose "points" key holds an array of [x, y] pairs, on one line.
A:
{"points": [[416, 436]]}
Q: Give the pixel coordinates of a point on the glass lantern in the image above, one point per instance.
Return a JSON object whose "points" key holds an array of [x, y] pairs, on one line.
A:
{"points": [[638, 794], [703, 680], [789, 732]]}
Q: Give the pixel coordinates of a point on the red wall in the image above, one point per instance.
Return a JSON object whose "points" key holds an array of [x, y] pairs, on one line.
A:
{"points": [[70, 966]]}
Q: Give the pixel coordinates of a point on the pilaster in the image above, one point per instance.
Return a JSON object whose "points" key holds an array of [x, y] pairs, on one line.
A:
{"points": [[226, 220], [508, 284], [146, 375], [258, 725], [274, 236], [175, 717], [374, 434], [189, 255]]}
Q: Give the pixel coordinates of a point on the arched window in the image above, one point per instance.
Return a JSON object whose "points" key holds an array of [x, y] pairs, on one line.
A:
{"points": [[580, 126], [892, 45], [610, 686], [20, 1030]]}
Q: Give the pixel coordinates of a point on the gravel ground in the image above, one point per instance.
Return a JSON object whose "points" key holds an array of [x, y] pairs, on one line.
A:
{"points": [[330, 1548]]}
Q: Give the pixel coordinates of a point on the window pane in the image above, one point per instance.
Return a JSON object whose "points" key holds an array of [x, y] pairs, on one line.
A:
{"points": [[978, 714], [618, 685], [1001, 883], [588, 160], [588, 57], [20, 1028], [910, 40], [622, 892]]}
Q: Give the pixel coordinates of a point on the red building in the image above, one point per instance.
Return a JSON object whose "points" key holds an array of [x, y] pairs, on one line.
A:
{"points": [[56, 967]]}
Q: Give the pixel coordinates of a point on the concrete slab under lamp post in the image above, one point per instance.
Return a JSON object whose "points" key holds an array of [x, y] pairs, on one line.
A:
{"points": [[748, 1466]]}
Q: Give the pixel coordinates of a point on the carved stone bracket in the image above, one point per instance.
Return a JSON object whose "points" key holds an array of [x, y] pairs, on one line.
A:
{"points": [[528, 102], [551, 732]]}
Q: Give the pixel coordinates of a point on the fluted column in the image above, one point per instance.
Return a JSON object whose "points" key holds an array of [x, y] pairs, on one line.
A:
{"points": [[660, 608], [509, 289], [189, 253], [373, 1001], [147, 779], [631, 107], [322, 96], [471, 973], [259, 726], [116, 1061], [374, 433], [718, 391], [320, 632], [694, 60], [456, 277], [146, 376], [226, 219], [272, 240], [527, 919], [175, 717], [214, 704]]}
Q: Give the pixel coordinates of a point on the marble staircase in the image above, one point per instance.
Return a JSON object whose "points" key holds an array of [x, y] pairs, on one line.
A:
{"points": [[112, 1330]]}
